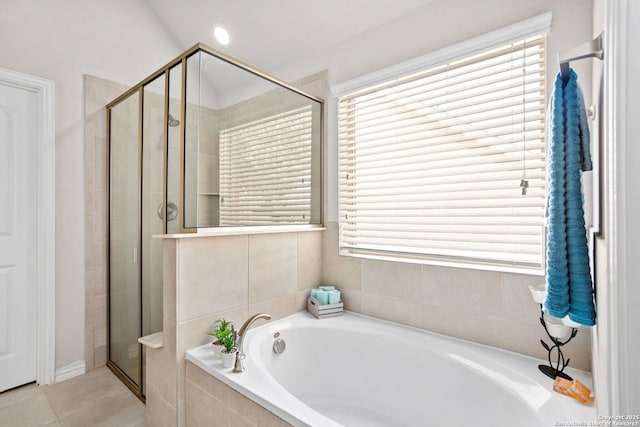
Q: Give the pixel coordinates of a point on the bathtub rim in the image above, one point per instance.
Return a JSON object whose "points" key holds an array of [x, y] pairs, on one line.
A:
{"points": [[202, 357], [199, 356]]}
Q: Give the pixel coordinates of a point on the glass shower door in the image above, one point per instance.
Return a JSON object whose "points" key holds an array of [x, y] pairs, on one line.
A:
{"points": [[137, 152], [153, 158], [124, 237]]}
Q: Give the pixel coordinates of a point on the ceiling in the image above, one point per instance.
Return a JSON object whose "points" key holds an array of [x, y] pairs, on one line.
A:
{"points": [[271, 33]]}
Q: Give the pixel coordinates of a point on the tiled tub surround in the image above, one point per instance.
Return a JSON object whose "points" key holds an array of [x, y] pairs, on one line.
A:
{"points": [[354, 370], [230, 276], [486, 307], [234, 276], [208, 399]]}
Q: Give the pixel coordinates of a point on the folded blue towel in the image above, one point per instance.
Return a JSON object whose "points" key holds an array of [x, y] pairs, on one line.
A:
{"points": [[568, 277]]}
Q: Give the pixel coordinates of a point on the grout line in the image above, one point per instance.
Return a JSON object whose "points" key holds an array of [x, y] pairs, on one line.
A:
{"points": [[53, 408]]}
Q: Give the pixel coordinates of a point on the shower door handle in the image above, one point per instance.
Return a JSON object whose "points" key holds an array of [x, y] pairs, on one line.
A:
{"points": [[172, 211], [135, 255]]}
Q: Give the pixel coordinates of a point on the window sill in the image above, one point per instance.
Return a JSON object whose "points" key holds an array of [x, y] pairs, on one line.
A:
{"points": [[408, 258]]}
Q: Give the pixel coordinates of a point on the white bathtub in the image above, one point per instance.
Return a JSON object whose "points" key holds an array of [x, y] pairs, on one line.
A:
{"points": [[358, 371]]}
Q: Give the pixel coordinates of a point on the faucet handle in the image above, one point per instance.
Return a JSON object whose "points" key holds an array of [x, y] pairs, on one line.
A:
{"points": [[239, 366]]}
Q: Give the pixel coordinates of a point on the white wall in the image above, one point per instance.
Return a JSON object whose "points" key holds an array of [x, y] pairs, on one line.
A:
{"points": [[600, 337], [120, 40], [616, 340], [631, 297], [622, 74]]}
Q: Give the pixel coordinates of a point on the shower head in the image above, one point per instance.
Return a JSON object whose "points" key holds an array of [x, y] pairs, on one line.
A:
{"points": [[173, 122]]}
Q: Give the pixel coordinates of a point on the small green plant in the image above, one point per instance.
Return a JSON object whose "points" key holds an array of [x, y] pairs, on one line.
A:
{"points": [[229, 341], [222, 330]]}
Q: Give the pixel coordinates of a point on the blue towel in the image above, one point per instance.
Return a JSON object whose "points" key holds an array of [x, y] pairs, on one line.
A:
{"points": [[568, 277]]}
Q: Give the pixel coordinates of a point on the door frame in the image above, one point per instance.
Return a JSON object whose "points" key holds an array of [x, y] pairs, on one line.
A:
{"points": [[45, 256]]}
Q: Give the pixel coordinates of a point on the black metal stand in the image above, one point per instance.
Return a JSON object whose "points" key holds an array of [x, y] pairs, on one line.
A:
{"points": [[550, 370]]}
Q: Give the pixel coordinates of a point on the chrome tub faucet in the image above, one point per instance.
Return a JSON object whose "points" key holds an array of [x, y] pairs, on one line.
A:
{"points": [[239, 365]]}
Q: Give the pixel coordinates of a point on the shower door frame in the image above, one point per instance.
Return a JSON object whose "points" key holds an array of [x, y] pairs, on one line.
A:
{"points": [[118, 371], [138, 388]]}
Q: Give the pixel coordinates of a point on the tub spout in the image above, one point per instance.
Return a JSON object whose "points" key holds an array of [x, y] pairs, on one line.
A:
{"points": [[239, 365]]}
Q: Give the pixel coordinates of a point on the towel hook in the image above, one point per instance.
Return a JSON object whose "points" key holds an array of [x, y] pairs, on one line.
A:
{"points": [[591, 49]]}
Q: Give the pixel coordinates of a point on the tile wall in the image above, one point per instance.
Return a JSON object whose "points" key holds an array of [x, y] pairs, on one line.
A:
{"points": [[206, 278], [97, 93], [487, 307], [210, 399]]}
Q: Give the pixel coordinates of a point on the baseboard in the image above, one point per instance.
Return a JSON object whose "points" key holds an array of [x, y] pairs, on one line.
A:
{"points": [[71, 370]]}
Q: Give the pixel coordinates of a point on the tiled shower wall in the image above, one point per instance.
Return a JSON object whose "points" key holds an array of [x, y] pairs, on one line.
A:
{"points": [[97, 93]]}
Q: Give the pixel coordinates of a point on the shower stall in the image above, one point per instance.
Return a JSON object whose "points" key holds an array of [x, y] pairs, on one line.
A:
{"points": [[205, 141]]}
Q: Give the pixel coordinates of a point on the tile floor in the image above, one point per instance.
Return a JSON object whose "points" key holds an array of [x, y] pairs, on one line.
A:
{"points": [[94, 399]]}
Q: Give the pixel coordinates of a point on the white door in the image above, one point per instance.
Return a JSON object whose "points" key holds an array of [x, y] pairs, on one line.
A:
{"points": [[18, 227]]}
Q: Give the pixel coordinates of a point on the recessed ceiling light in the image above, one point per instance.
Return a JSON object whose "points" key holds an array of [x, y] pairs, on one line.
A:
{"points": [[222, 35]]}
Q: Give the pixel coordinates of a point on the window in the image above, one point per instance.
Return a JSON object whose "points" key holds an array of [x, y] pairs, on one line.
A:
{"points": [[265, 170], [431, 164]]}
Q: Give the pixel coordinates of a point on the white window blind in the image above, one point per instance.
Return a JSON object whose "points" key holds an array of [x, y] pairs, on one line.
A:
{"points": [[265, 171], [431, 164]]}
